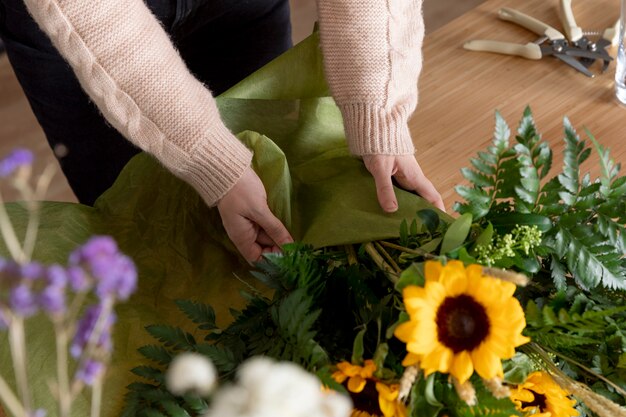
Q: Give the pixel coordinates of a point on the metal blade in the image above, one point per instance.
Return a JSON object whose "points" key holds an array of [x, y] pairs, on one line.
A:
{"points": [[573, 62]]}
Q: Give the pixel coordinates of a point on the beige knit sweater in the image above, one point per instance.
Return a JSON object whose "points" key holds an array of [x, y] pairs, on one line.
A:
{"points": [[126, 63]]}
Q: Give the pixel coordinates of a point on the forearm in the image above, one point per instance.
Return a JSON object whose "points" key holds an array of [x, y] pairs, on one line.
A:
{"points": [[128, 66], [372, 57]]}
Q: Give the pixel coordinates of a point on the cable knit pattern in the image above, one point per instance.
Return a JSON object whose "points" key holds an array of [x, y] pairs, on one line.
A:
{"points": [[372, 56], [126, 63]]}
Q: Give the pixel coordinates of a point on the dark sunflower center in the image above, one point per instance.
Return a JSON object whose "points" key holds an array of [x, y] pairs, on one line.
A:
{"points": [[462, 323], [539, 402], [366, 400]]}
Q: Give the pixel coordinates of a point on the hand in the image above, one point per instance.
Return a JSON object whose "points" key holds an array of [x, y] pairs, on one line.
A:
{"points": [[407, 172], [248, 221]]}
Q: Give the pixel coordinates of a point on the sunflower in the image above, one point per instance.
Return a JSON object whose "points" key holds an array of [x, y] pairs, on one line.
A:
{"points": [[461, 321], [388, 401], [540, 396], [371, 398], [357, 375]]}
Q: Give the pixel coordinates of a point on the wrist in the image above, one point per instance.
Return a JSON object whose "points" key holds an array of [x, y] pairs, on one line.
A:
{"points": [[373, 129]]}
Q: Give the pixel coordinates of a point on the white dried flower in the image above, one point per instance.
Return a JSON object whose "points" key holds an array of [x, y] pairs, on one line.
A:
{"points": [[191, 373], [265, 388]]}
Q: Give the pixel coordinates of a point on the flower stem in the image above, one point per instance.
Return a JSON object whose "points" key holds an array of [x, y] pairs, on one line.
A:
{"points": [[407, 250], [10, 400], [64, 393], [91, 345], [33, 209], [378, 259], [8, 234], [393, 263], [17, 340], [96, 397]]}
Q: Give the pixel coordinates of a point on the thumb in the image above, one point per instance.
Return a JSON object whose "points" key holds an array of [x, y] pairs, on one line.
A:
{"points": [[273, 227]]}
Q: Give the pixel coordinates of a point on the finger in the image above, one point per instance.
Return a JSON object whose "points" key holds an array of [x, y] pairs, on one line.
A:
{"points": [[273, 227], [264, 240], [243, 234], [418, 182], [384, 191], [422, 186], [427, 190]]}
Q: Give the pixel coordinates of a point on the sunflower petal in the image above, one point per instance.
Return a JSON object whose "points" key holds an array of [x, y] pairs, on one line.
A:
{"points": [[348, 369], [439, 359], [432, 270], [487, 363], [411, 359], [462, 367], [406, 331], [356, 384]]}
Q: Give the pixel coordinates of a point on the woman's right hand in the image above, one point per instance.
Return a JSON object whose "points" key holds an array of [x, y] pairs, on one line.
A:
{"points": [[248, 220]]}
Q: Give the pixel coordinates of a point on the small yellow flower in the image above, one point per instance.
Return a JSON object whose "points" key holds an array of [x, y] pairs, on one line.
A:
{"points": [[359, 413], [388, 401], [358, 375], [461, 321], [540, 396]]}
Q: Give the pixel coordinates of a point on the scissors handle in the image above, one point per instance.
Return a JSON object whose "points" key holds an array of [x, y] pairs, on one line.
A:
{"points": [[528, 51], [572, 30], [530, 23]]}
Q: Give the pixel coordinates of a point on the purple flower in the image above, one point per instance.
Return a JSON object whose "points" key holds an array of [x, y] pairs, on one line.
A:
{"points": [[86, 327], [52, 299], [56, 276], [40, 412], [77, 279], [32, 271], [22, 301], [114, 272], [19, 157], [90, 371]]}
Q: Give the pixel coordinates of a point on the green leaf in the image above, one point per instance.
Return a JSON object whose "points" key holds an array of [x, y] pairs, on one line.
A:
{"points": [[477, 178], [174, 410], [456, 233], [486, 236], [357, 347], [173, 337], [149, 373], [587, 262], [201, 314], [430, 219], [413, 275], [222, 357], [517, 369], [473, 195], [156, 354], [558, 273]]}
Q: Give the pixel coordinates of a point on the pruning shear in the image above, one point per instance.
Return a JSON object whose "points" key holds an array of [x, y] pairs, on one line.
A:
{"points": [[551, 43], [579, 38]]}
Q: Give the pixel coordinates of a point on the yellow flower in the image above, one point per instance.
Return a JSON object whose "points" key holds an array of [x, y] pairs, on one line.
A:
{"points": [[359, 413], [358, 375], [388, 401], [461, 321], [540, 396]]}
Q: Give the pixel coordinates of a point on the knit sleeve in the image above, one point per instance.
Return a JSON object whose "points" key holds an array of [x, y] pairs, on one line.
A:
{"points": [[126, 63], [372, 57]]}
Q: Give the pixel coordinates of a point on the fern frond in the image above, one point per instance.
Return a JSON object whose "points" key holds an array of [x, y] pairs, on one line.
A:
{"points": [[201, 314], [591, 265], [173, 337]]}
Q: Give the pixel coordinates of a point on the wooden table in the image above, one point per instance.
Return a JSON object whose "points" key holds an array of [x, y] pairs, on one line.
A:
{"points": [[460, 90]]}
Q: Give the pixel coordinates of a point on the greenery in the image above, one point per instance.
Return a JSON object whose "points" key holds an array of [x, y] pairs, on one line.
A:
{"points": [[343, 303]]}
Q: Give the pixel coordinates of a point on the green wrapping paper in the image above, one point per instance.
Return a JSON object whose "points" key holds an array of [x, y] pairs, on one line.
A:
{"points": [[323, 194]]}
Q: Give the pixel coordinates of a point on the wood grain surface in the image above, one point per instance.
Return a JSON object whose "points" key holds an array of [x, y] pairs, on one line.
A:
{"points": [[460, 90]]}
